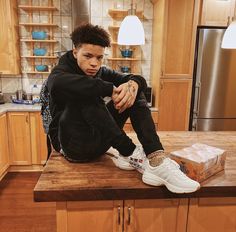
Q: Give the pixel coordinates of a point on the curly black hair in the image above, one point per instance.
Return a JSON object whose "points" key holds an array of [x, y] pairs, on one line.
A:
{"points": [[90, 34]]}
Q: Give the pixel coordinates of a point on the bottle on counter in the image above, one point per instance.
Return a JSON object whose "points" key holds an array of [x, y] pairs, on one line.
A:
{"points": [[35, 93]]}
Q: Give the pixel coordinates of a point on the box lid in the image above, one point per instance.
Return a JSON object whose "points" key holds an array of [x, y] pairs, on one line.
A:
{"points": [[199, 152]]}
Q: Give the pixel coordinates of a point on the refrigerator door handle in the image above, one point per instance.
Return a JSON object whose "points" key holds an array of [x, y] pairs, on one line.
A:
{"points": [[194, 126], [197, 94]]}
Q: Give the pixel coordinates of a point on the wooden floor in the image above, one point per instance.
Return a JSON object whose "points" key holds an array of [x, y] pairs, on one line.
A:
{"points": [[18, 211]]}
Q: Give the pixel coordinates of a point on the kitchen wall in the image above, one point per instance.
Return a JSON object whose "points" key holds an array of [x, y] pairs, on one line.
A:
{"points": [[63, 18]]}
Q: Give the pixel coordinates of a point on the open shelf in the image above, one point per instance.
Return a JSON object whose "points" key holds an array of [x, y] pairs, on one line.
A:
{"points": [[35, 72], [115, 61], [38, 24], [113, 27], [39, 40], [37, 8], [46, 23], [40, 57], [119, 13], [122, 58], [116, 44]]}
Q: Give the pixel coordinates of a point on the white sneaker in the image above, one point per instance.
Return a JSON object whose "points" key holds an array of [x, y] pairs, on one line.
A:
{"points": [[132, 162], [168, 173]]}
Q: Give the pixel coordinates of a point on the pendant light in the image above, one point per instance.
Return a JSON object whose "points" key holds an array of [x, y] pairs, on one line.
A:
{"points": [[131, 30], [229, 38]]}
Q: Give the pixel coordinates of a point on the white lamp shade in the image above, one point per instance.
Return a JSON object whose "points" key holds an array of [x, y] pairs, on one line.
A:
{"points": [[131, 31], [229, 39]]}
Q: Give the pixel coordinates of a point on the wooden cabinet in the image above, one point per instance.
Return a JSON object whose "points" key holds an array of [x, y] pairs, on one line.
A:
{"points": [[212, 214], [19, 138], [48, 44], [4, 151], [9, 47], [38, 139], [174, 105], [161, 215], [27, 141], [90, 216], [174, 33], [116, 61], [180, 31], [119, 216], [217, 13]]}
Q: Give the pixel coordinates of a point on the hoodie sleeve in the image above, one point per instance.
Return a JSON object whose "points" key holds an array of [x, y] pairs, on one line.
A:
{"points": [[118, 78], [72, 86]]}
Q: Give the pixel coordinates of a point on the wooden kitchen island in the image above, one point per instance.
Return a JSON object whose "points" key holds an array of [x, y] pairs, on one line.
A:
{"points": [[99, 197]]}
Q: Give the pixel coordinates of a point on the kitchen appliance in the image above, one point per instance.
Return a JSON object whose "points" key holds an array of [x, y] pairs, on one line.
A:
{"points": [[213, 105], [81, 12]]}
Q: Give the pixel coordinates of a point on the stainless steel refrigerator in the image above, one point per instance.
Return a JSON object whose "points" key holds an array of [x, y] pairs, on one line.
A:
{"points": [[213, 105]]}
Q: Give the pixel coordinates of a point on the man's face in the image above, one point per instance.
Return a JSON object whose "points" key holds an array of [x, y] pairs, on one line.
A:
{"points": [[89, 58]]}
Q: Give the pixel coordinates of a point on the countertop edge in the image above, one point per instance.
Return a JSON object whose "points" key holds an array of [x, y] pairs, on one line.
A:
{"points": [[130, 194], [11, 107]]}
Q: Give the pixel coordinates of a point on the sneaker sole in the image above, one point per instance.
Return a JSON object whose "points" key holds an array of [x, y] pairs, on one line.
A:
{"points": [[154, 180]]}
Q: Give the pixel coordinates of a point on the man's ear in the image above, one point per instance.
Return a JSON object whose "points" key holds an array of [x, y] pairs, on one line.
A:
{"points": [[74, 52]]}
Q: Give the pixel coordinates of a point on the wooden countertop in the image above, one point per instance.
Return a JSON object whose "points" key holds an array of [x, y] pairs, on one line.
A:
{"points": [[101, 180]]}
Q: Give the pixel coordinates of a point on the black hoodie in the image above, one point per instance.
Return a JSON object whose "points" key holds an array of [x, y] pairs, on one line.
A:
{"points": [[69, 85]]}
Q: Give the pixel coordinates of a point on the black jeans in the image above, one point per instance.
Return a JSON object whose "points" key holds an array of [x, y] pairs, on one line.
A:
{"points": [[88, 132]]}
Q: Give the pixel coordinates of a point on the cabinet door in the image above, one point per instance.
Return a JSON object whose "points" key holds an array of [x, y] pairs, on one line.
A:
{"points": [[212, 214], [174, 104], [9, 47], [38, 139], [162, 215], [19, 138], [174, 36], [180, 30], [217, 13], [90, 216], [4, 152]]}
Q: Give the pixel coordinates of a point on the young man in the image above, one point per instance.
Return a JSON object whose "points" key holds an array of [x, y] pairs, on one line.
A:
{"points": [[83, 127]]}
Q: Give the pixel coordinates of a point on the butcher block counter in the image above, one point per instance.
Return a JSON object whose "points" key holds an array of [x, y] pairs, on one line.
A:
{"points": [[98, 196]]}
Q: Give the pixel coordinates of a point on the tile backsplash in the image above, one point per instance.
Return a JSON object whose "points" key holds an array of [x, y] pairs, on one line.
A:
{"points": [[63, 18]]}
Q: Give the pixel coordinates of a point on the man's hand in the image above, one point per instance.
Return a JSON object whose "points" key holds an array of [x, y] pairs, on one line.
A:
{"points": [[125, 95]]}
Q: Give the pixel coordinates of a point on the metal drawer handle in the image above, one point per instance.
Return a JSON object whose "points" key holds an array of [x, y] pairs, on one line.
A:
{"points": [[118, 215], [129, 215]]}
